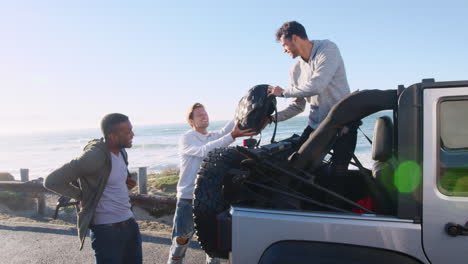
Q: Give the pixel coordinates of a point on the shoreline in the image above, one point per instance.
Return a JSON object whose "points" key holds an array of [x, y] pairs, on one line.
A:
{"points": [[150, 173]]}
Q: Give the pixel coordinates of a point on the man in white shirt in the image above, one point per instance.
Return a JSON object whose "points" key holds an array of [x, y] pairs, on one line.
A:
{"points": [[194, 145]]}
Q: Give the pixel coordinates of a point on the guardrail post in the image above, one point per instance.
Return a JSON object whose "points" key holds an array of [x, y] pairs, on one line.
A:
{"points": [[24, 175], [41, 204], [41, 201], [142, 180]]}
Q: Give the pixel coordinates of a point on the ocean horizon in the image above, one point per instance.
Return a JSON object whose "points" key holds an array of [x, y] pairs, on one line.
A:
{"points": [[154, 146]]}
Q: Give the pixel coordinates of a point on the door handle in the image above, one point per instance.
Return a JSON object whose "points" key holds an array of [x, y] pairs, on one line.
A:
{"points": [[454, 230]]}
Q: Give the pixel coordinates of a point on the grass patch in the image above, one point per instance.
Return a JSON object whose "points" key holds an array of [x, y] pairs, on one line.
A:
{"points": [[165, 181], [158, 212], [16, 200], [168, 172], [10, 195]]}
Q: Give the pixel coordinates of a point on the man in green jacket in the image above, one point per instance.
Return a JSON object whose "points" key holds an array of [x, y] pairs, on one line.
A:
{"points": [[103, 184]]}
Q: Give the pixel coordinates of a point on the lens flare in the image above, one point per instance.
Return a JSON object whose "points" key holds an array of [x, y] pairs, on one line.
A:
{"points": [[407, 176]]}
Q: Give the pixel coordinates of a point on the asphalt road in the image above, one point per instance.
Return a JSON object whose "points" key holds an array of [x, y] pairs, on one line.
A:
{"points": [[47, 244]]}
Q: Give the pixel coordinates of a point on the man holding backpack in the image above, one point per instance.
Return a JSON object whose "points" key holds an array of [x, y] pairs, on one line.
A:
{"points": [[194, 146], [318, 77], [104, 182]]}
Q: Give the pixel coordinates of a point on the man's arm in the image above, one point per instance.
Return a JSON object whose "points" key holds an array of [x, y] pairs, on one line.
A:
{"points": [[60, 180], [295, 108], [187, 146], [224, 131]]}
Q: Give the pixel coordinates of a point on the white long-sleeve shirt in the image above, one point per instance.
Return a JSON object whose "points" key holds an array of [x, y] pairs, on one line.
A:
{"points": [[193, 148], [321, 82]]}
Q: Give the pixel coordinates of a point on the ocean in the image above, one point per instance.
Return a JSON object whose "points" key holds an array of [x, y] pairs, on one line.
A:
{"points": [[154, 147]]}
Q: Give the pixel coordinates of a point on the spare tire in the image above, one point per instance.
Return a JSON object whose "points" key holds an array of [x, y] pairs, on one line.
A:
{"points": [[209, 200]]}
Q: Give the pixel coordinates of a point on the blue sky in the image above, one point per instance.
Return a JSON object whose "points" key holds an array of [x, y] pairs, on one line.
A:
{"points": [[65, 64]]}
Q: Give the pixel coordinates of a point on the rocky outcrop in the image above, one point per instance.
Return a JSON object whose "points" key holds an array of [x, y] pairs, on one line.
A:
{"points": [[5, 176]]}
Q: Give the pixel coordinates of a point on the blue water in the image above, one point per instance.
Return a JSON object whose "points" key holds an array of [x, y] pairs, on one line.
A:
{"points": [[154, 146]]}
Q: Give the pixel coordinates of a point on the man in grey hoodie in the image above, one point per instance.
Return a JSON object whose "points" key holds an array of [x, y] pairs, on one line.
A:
{"points": [[318, 77], [102, 189]]}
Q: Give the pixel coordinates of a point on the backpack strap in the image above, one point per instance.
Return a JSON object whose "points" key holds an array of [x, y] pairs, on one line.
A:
{"points": [[125, 157], [274, 131], [276, 125]]}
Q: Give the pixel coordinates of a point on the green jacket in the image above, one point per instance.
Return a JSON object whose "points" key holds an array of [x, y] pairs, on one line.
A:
{"points": [[91, 169]]}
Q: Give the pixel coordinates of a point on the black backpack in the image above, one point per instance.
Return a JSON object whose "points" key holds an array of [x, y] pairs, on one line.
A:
{"points": [[255, 108]]}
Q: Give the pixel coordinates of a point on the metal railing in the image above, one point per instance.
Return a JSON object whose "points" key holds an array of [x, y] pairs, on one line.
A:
{"points": [[36, 189]]}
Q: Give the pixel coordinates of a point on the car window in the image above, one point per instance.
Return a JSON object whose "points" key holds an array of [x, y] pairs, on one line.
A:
{"points": [[453, 152]]}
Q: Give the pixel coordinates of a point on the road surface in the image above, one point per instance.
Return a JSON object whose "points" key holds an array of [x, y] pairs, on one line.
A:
{"points": [[48, 244]]}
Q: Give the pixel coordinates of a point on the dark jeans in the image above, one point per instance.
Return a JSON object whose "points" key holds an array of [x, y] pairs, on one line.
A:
{"points": [[117, 244], [343, 149]]}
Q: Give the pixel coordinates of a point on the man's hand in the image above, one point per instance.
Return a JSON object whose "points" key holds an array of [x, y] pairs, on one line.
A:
{"points": [[275, 90], [237, 132], [131, 183]]}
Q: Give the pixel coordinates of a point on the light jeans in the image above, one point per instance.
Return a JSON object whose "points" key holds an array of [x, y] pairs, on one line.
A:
{"points": [[183, 227]]}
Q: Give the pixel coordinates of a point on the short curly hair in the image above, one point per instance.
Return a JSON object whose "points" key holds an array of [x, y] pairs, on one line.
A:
{"points": [[109, 122], [291, 28], [191, 109]]}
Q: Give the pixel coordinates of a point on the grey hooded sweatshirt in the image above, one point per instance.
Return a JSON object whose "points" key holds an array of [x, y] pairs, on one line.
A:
{"points": [[321, 82]]}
